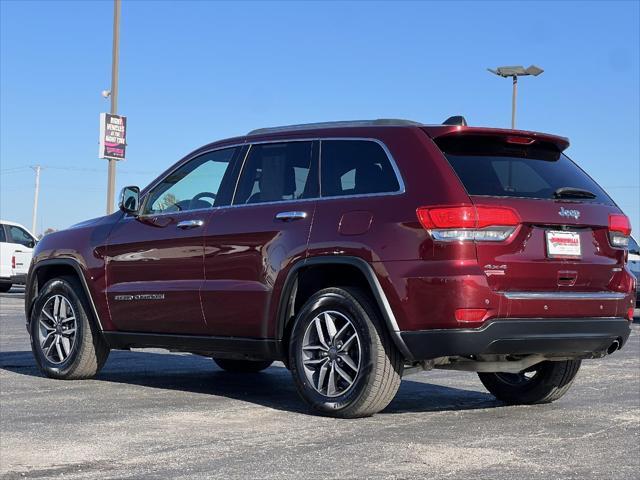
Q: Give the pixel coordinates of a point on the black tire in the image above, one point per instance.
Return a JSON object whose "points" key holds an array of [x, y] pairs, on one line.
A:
{"points": [[242, 366], [5, 287], [380, 364], [548, 382], [89, 351]]}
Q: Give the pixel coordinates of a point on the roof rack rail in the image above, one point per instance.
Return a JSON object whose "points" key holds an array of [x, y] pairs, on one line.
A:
{"points": [[390, 122]]}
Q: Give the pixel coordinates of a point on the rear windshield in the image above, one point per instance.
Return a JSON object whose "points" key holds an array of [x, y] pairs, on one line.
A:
{"points": [[491, 167]]}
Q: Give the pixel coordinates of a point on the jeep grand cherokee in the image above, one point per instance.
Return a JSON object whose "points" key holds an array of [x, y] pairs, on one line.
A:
{"points": [[353, 252]]}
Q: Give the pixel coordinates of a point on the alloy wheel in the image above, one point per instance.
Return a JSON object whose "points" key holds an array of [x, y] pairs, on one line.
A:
{"points": [[331, 353], [57, 328]]}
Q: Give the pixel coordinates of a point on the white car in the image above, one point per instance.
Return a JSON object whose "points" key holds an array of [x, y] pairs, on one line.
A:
{"points": [[16, 250], [634, 266]]}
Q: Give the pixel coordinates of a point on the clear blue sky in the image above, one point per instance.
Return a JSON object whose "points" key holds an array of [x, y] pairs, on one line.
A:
{"points": [[194, 72]]}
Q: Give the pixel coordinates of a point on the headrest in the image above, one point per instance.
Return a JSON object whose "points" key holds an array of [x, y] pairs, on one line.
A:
{"points": [[277, 180], [368, 178]]}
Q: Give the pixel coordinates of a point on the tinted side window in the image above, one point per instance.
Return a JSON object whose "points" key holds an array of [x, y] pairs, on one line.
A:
{"points": [[20, 236], [193, 186], [276, 172], [3, 237], [355, 167]]}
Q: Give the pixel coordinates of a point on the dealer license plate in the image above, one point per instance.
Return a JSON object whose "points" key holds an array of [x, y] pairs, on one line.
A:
{"points": [[563, 244]]}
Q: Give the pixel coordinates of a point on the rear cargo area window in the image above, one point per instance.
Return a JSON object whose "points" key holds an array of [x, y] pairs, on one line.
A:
{"points": [[488, 166], [355, 167]]}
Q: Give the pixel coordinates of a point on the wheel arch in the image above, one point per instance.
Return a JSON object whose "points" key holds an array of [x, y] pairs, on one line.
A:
{"points": [[45, 270], [294, 294]]}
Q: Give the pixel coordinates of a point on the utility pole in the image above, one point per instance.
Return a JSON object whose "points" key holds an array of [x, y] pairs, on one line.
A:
{"points": [[111, 178], [36, 193]]}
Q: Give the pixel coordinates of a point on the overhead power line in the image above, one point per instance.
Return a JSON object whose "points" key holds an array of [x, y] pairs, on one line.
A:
{"points": [[75, 169]]}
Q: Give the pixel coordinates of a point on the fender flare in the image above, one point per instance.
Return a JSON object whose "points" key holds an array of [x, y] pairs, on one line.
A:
{"points": [[290, 287], [30, 286]]}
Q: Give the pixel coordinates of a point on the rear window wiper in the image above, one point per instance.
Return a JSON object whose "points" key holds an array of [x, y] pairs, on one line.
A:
{"points": [[573, 192]]}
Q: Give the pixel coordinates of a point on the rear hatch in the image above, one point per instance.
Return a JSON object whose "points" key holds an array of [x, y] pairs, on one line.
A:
{"points": [[561, 242]]}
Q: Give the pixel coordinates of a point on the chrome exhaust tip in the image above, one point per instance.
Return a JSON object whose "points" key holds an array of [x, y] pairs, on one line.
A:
{"points": [[613, 347]]}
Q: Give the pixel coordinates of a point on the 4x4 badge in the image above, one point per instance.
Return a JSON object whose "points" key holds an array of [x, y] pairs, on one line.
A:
{"points": [[569, 213]]}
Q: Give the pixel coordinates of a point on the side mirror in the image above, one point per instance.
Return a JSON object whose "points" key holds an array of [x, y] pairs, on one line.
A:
{"points": [[130, 200]]}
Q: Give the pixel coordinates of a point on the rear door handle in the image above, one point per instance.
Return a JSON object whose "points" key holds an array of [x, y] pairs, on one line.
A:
{"points": [[187, 224], [290, 216]]}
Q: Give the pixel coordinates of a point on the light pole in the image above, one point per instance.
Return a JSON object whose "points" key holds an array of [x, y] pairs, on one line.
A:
{"points": [[515, 72], [36, 193], [111, 177]]}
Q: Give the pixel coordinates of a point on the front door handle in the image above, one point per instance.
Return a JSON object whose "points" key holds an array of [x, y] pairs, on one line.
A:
{"points": [[290, 216], [187, 224]]}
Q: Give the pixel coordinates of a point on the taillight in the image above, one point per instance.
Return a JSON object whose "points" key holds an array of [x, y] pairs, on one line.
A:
{"points": [[619, 230], [472, 315], [13, 261], [469, 223]]}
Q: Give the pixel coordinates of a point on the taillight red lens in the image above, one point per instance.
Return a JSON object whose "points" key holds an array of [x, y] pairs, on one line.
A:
{"points": [[13, 262], [447, 217], [630, 315], [467, 217], [497, 216], [470, 314], [619, 223]]}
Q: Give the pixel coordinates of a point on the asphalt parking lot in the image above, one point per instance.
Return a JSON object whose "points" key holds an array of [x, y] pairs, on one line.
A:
{"points": [[153, 414]]}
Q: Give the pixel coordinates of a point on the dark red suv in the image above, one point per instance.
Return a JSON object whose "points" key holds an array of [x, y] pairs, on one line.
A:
{"points": [[353, 252]]}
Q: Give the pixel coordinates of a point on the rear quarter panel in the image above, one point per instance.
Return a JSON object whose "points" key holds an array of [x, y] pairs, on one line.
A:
{"points": [[395, 244]]}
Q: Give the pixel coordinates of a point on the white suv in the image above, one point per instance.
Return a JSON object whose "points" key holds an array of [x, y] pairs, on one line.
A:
{"points": [[634, 266], [16, 250]]}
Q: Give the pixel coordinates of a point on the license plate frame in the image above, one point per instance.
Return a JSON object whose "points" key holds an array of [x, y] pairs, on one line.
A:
{"points": [[563, 244]]}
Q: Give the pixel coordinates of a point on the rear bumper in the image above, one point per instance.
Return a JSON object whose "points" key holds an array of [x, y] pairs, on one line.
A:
{"points": [[19, 278], [424, 295], [584, 337]]}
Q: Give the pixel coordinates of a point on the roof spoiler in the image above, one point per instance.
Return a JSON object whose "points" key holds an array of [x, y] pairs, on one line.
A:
{"points": [[457, 120], [508, 135]]}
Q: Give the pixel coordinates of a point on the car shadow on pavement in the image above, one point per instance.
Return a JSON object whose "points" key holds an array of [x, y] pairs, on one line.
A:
{"points": [[271, 388]]}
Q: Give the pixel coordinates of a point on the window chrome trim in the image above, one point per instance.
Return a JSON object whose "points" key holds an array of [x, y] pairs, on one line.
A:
{"points": [[392, 160], [564, 295], [240, 172], [165, 214]]}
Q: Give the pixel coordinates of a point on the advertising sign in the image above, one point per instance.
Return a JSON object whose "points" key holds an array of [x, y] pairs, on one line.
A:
{"points": [[113, 130]]}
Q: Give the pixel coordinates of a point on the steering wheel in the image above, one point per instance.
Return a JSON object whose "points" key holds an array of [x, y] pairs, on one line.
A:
{"points": [[199, 197]]}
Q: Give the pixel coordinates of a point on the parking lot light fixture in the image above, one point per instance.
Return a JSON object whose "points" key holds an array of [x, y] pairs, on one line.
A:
{"points": [[514, 72]]}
